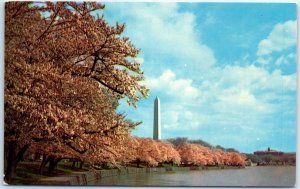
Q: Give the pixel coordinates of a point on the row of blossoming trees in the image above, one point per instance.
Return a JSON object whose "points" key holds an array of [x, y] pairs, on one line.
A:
{"points": [[66, 69], [148, 152], [153, 153]]}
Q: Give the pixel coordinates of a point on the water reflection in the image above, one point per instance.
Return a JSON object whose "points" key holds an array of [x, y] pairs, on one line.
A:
{"points": [[251, 176]]}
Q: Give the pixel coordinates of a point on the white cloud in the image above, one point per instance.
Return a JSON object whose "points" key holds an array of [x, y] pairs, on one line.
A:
{"points": [[283, 36], [194, 119], [170, 119], [285, 59], [250, 89], [177, 117], [230, 95], [240, 102], [264, 60], [255, 79], [239, 97], [281, 60], [172, 86], [162, 32]]}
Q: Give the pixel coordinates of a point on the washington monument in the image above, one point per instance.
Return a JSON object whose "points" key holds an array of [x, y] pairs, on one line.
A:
{"points": [[156, 129]]}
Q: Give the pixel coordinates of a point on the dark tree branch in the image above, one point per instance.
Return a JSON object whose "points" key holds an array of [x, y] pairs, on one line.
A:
{"points": [[69, 144], [108, 86], [45, 31]]}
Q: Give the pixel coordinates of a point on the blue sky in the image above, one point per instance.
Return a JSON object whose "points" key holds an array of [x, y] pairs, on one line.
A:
{"points": [[224, 72]]}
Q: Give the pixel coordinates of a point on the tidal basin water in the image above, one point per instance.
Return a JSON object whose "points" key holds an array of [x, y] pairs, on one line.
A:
{"points": [[250, 176]]}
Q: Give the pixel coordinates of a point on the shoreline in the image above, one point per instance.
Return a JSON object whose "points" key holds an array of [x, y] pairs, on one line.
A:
{"points": [[87, 177]]}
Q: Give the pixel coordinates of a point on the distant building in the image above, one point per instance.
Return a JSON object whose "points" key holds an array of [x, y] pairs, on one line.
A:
{"points": [[268, 152]]}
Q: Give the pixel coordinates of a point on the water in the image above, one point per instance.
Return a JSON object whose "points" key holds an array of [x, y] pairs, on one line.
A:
{"points": [[250, 176]]}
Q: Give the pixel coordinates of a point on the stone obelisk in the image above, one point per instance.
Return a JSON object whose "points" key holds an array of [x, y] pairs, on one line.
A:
{"points": [[156, 129]]}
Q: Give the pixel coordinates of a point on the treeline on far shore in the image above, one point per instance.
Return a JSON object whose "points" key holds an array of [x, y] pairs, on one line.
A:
{"points": [[269, 159], [251, 158]]}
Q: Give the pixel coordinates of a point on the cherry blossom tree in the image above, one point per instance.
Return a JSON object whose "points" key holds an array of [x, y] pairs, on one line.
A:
{"points": [[195, 154], [168, 152], [237, 159], [65, 70], [148, 152], [190, 154]]}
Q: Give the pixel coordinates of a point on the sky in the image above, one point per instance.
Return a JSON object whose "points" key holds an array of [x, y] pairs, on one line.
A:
{"points": [[224, 72]]}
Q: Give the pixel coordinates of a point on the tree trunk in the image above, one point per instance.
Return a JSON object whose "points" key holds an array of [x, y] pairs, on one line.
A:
{"points": [[13, 159], [43, 163], [36, 156], [73, 164], [81, 164], [53, 163], [11, 162]]}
